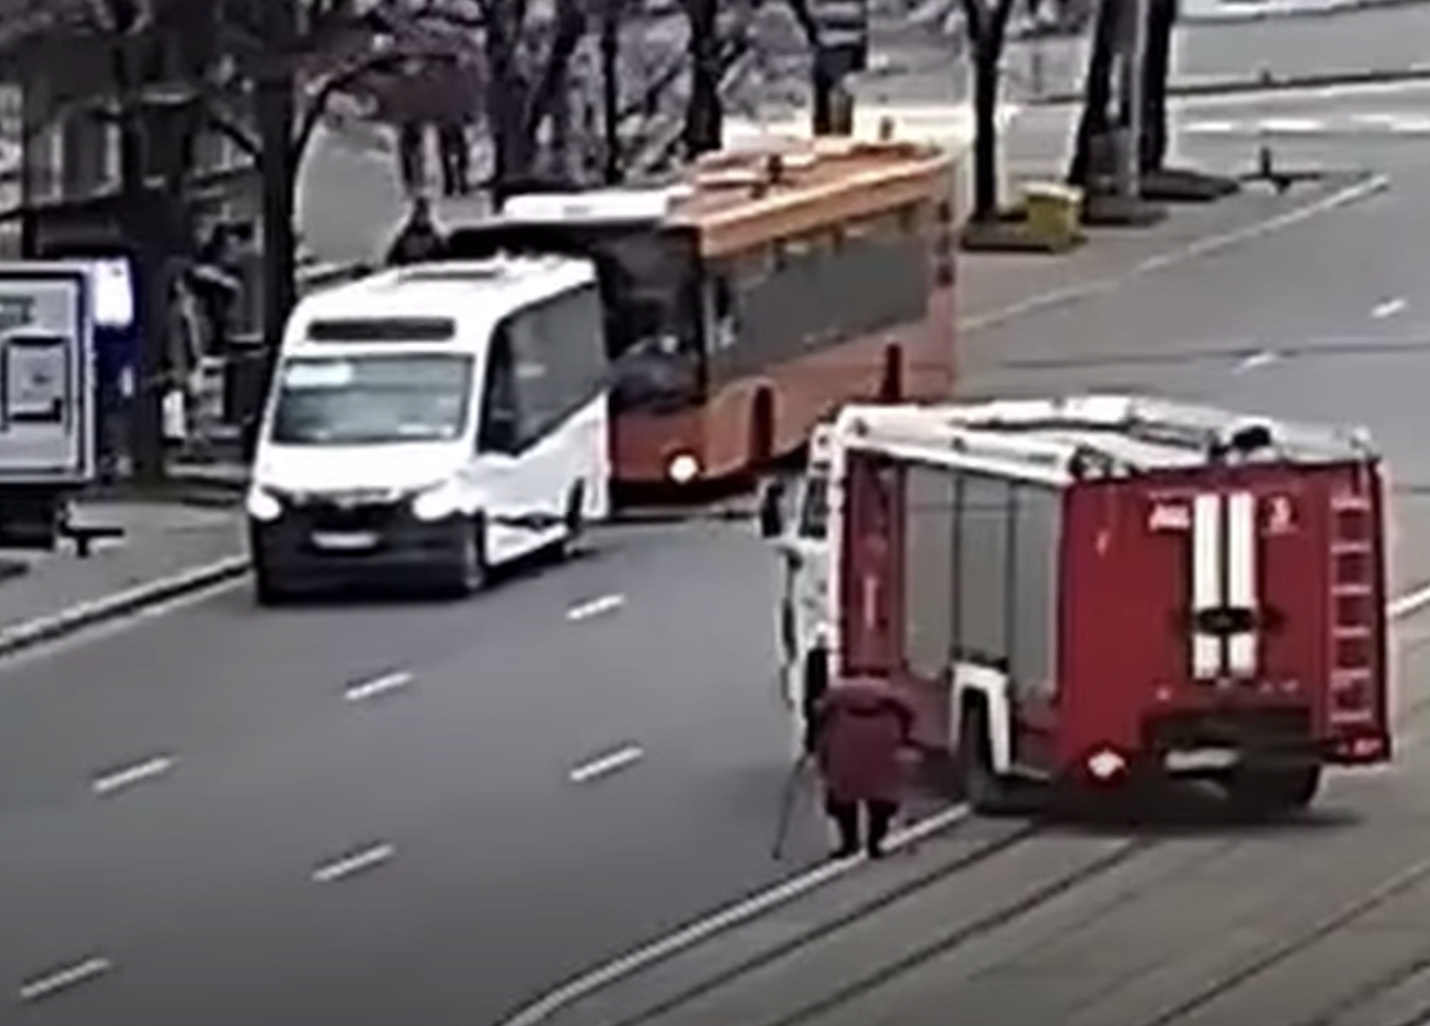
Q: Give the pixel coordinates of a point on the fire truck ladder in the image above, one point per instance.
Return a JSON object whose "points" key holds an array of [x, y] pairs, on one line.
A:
{"points": [[1352, 597]]}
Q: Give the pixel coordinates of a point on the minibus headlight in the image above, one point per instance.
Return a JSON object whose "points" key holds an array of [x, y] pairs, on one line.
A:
{"points": [[262, 505], [436, 502]]}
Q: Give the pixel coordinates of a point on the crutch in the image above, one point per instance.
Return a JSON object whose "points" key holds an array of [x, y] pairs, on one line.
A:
{"points": [[786, 814]]}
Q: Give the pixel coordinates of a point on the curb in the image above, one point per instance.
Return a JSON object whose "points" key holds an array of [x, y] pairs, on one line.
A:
{"points": [[1236, 85], [32, 633]]}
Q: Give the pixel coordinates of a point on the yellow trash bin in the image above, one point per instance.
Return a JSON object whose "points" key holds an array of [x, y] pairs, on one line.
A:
{"points": [[1054, 210]]}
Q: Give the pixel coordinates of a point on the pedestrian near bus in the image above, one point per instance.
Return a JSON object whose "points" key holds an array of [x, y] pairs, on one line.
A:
{"points": [[861, 733]]}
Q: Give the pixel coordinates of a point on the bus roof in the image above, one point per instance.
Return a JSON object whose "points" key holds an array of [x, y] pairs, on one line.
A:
{"points": [[485, 289], [769, 188]]}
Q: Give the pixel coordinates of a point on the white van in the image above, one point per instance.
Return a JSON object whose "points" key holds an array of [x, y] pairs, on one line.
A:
{"points": [[432, 422]]}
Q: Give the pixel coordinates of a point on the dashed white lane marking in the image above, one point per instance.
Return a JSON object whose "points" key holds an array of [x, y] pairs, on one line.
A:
{"points": [[369, 689], [350, 865], [64, 979], [134, 773], [605, 765], [1292, 126], [1256, 360], [1211, 127], [595, 607], [1389, 308]]}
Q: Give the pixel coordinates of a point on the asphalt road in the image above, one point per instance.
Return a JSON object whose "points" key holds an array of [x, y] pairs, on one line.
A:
{"points": [[513, 861]]}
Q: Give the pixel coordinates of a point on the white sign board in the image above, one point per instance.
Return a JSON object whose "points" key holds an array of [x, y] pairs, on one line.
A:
{"points": [[47, 406]]}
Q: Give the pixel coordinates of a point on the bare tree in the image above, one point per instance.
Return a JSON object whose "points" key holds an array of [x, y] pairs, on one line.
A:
{"points": [[1092, 154], [987, 25]]}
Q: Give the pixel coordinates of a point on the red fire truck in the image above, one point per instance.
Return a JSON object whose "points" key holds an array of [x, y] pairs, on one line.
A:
{"points": [[1097, 589]]}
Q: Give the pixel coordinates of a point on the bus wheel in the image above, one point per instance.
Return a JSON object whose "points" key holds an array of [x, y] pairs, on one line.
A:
{"points": [[575, 521], [1263, 793], [987, 793]]}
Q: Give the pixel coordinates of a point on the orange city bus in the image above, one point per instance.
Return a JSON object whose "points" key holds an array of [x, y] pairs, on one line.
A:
{"points": [[767, 287]]}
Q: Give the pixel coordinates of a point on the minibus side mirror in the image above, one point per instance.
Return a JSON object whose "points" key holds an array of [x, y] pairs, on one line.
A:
{"points": [[771, 509]]}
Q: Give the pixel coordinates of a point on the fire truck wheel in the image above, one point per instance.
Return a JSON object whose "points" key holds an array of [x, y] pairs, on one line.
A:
{"points": [[987, 793], [1271, 792]]}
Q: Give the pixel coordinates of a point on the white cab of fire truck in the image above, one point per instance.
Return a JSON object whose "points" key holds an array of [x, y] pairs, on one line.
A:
{"points": [[795, 517]]}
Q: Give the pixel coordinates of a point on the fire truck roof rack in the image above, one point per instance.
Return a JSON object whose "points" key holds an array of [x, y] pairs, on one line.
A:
{"points": [[1091, 435]]}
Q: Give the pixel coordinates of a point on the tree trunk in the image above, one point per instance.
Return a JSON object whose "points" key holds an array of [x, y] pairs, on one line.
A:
{"points": [[1152, 147], [1095, 124], [610, 49], [276, 116], [987, 53], [146, 414], [822, 84], [704, 114]]}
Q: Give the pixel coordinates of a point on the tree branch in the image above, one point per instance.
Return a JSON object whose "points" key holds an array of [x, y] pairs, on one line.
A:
{"points": [[804, 15], [346, 78], [570, 31], [233, 131]]}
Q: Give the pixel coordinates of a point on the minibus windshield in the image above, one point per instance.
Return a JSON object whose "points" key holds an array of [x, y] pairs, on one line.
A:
{"points": [[372, 398]]}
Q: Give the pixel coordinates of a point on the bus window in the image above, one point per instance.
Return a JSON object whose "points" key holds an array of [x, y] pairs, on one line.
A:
{"points": [[650, 292]]}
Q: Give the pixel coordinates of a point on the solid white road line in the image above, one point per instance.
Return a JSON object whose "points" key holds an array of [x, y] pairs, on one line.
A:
{"points": [[65, 979], [605, 765], [350, 865], [1389, 308], [595, 607], [727, 918], [135, 773], [378, 686]]}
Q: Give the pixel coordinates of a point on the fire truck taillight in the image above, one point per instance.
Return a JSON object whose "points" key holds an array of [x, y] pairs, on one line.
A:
{"points": [[1105, 765]]}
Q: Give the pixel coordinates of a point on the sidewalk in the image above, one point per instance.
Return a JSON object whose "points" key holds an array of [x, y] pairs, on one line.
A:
{"points": [[167, 549]]}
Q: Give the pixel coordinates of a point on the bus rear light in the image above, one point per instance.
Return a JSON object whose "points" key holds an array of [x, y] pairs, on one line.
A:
{"points": [[1105, 765], [682, 468]]}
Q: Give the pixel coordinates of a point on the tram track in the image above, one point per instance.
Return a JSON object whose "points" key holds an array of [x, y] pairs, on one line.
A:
{"points": [[967, 933], [827, 928], [1388, 890]]}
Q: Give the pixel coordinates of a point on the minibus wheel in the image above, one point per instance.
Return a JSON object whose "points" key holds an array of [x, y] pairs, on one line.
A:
{"points": [[575, 521], [268, 592], [470, 569]]}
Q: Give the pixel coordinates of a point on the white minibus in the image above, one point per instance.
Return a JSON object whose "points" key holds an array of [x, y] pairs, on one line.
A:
{"points": [[428, 423]]}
